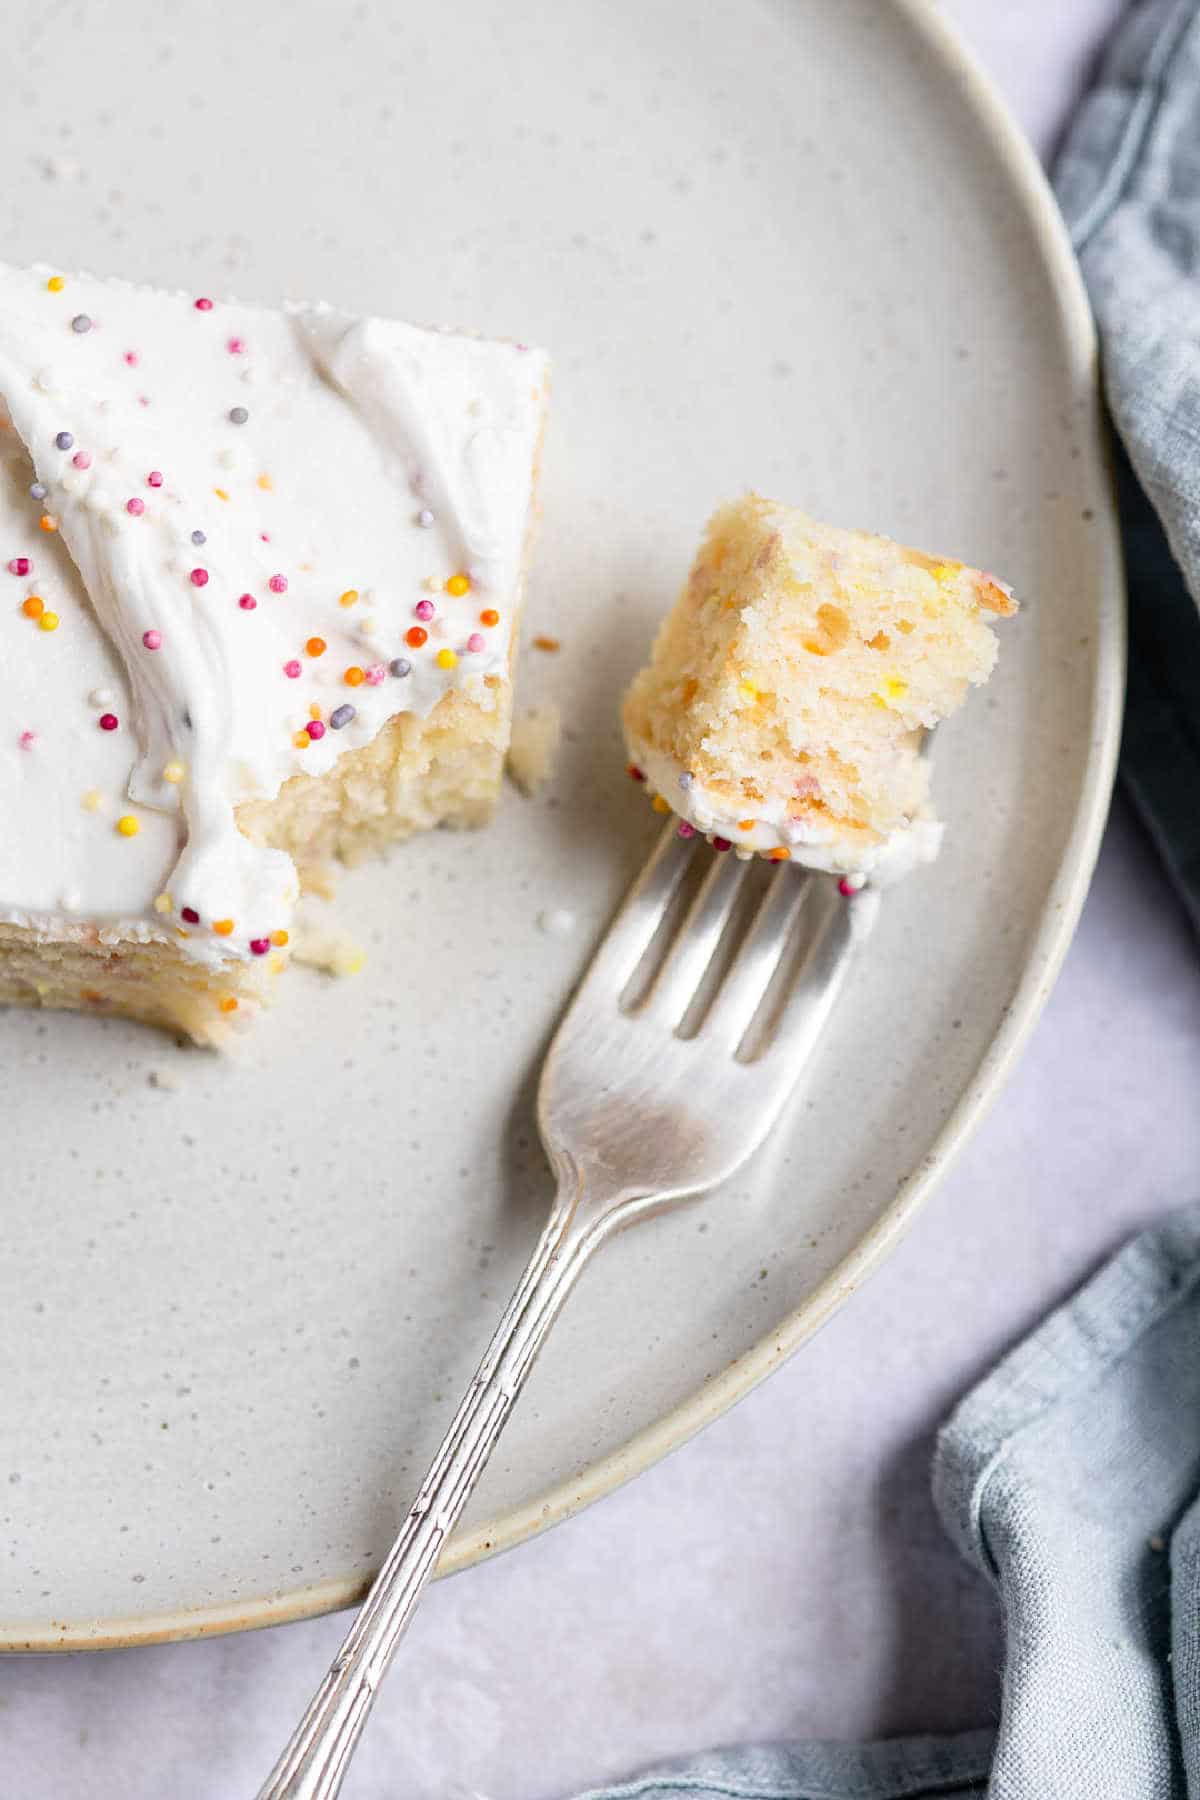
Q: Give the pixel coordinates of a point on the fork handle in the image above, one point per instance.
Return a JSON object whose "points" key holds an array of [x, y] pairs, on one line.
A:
{"points": [[314, 1763]]}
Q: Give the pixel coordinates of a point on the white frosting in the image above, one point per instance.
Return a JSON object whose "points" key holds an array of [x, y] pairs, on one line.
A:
{"points": [[353, 429], [812, 843]]}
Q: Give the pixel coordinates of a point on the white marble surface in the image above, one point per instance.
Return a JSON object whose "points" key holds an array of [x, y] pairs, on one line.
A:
{"points": [[784, 1574]]}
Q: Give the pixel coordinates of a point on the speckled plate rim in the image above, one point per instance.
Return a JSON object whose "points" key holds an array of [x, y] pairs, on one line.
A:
{"points": [[1051, 940]]}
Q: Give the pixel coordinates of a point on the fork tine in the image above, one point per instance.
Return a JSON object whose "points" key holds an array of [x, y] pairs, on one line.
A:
{"points": [[741, 992], [675, 985], [641, 913], [790, 1034]]}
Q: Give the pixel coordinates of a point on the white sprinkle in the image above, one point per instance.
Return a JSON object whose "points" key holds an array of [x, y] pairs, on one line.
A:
{"points": [[44, 382], [102, 697], [69, 902], [556, 921]]}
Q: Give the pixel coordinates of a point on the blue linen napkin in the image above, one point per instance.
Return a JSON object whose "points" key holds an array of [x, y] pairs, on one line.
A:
{"points": [[1070, 1477]]}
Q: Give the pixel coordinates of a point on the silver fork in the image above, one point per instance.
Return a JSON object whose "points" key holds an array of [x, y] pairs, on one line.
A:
{"points": [[664, 1077]]}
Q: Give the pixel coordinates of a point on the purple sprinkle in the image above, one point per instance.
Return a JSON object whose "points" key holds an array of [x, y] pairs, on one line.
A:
{"points": [[198, 538], [38, 491], [686, 779], [400, 667], [238, 415], [341, 715], [81, 323], [425, 518], [63, 441]]}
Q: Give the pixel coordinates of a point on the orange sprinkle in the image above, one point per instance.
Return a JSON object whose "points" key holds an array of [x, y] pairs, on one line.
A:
{"points": [[747, 824], [547, 643], [223, 927], [228, 1003], [779, 854], [48, 522], [279, 939], [302, 740], [91, 996], [660, 805], [265, 483], [354, 676], [489, 616], [316, 646], [458, 584], [415, 636], [348, 598], [34, 607]]}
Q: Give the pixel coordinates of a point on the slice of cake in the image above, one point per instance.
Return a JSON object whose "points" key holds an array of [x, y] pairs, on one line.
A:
{"points": [[260, 575], [789, 690]]}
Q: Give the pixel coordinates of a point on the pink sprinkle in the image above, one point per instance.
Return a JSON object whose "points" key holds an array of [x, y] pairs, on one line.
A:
{"points": [[264, 537], [376, 674], [131, 358], [109, 721], [315, 730], [27, 740], [720, 843], [154, 478], [152, 640], [143, 400], [189, 914], [82, 459], [236, 346], [850, 885], [20, 565], [278, 584], [686, 829], [204, 304], [476, 642], [424, 609], [199, 577], [135, 506], [292, 670], [247, 602], [259, 946]]}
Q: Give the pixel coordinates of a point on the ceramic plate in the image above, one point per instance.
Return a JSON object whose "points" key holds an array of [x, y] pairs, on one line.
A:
{"points": [[794, 246]]}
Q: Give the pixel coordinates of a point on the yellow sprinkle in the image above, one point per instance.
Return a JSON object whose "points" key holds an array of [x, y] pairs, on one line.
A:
{"points": [[348, 598], [350, 963], [891, 688], [314, 711], [747, 690], [92, 800], [302, 740], [128, 825], [947, 571], [180, 932], [458, 584], [228, 1003], [265, 483], [660, 805], [277, 964], [162, 903], [56, 284], [48, 622], [220, 493], [446, 659], [173, 772], [223, 927], [279, 939]]}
